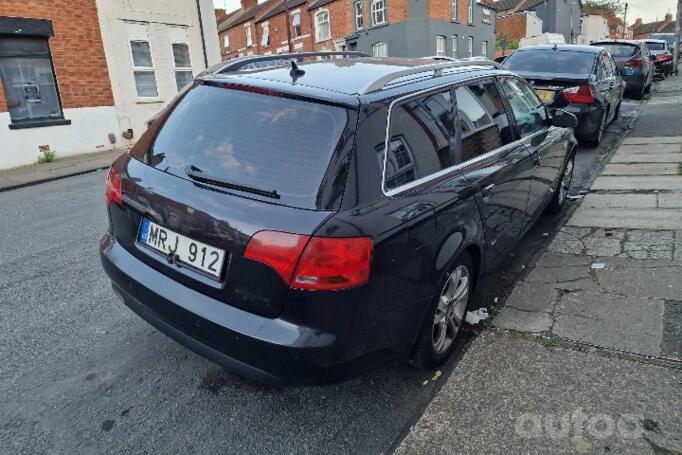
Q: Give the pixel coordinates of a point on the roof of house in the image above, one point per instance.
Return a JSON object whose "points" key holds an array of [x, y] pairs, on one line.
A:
{"points": [[318, 3], [651, 27], [670, 28], [515, 5], [239, 16], [279, 8]]}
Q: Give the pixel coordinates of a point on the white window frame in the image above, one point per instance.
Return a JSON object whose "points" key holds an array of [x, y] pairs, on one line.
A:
{"points": [[470, 12], [375, 10], [470, 47], [177, 69], [319, 38], [226, 41], [441, 43], [247, 32], [378, 47], [455, 45], [454, 10], [144, 69], [293, 26], [359, 14], [266, 28], [484, 49], [485, 15]]}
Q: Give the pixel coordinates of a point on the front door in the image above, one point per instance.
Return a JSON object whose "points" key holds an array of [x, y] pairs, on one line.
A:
{"points": [[500, 165]]}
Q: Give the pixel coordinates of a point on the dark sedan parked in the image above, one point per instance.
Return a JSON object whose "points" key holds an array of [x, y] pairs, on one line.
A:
{"points": [[582, 80], [304, 222], [635, 64]]}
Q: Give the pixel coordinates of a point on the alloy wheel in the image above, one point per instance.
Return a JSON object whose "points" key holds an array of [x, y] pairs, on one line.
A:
{"points": [[450, 312], [566, 182]]}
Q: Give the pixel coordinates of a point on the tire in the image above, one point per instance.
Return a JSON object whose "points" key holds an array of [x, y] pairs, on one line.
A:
{"points": [[617, 113], [561, 191], [437, 340], [640, 93], [599, 135]]}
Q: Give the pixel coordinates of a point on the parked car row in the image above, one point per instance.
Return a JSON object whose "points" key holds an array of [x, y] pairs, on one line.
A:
{"points": [[306, 221]]}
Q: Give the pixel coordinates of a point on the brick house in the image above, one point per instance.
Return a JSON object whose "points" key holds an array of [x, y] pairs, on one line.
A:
{"points": [[85, 75], [641, 30], [557, 16], [401, 28], [511, 28]]}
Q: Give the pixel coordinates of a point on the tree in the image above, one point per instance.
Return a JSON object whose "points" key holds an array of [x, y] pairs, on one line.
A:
{"points": [[615, 6]]}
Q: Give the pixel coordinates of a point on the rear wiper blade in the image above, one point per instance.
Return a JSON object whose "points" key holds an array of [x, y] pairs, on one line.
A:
{"points": [[197, 174]]}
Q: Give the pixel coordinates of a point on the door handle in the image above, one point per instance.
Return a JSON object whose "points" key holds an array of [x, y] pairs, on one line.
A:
{"points": [[488, 192]]}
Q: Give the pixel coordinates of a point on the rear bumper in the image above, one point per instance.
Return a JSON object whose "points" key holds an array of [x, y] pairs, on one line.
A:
{"points": [[589, 118], [635, 82], [272, 351]]}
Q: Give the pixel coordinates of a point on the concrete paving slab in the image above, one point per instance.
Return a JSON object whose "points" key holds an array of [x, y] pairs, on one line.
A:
{"points": [[653, 140], [663, 283], [630, 324], [670, 200], [641, 158], [627, 218], [642, 169], [509, 396], [638, 183], [627, 200], [533, 297], [649, 148], [523, 321]]}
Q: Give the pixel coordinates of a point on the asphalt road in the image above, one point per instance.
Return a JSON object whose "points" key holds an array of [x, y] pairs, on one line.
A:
{"points": [[81, 374]]}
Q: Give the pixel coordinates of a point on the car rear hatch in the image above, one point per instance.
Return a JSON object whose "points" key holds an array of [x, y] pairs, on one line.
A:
{"points": [[223, 163], [627, 56], [551, 87]]}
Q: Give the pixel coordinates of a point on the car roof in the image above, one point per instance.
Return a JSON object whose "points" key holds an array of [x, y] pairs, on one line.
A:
{"points": [[351, 76], [560, 47], [659, 41]]}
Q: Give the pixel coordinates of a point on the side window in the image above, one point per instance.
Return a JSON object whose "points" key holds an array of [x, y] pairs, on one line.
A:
{"points": [[419, 139], [602, 72], [482, 121], [529, 112]]}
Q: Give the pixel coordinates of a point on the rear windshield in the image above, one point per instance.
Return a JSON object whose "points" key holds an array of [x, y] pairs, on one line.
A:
{"points": [[619, 49], [669, 38], [550, 61], [251, 139], [655, 46]]}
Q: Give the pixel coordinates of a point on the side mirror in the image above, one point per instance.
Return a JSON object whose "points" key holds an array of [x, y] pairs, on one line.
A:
{"points": [[564, 119]]}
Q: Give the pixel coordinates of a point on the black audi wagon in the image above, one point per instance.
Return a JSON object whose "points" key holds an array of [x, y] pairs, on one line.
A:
{"points": [[302, 222]]}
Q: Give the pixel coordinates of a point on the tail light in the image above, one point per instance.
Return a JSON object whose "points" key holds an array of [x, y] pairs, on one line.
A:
{"points": [[313, 263], [663, 57], [113, 189], [635, 63], [581, 95]]}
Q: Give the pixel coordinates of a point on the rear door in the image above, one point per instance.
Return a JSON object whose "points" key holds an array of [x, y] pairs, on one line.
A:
{"points": [[499, 165], [545, 144]]}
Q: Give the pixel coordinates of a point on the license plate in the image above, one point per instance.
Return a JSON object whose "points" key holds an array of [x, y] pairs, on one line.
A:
{"points": [[628, 71], [545, 95], [179, 248]]}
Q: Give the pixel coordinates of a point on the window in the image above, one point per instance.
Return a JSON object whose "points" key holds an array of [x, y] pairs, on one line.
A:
{"points": [[28, 79], [484, 48], [380, 50], [296, 24], [265, 39], [536, 60], [182, 64], [453, 9], [470, 12], [214, 129], [470, 49], [482, 121], [143, 64], [420, 134], [226, 42], [247, 31], [485, 15], [359, 19], [378, 10], [298, 48], [440, 46], [529, 112], [455, 42], [322, 26]]}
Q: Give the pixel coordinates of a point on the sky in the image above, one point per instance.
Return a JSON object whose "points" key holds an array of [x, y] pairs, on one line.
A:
{"points": [[648, 10]]}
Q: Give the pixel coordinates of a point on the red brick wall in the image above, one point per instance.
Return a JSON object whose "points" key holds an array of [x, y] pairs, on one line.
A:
{"points": [[441, 10], [77, 50], [278, 32], [513, 27], [341, 22]]}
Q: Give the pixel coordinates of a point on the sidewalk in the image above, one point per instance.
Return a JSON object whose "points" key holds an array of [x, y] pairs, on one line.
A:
{"points": [[587, 351], [60, 168]]}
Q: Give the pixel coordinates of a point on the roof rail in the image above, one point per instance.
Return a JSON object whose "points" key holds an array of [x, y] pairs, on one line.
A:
{"points": [[284, 58], [437, 69]]}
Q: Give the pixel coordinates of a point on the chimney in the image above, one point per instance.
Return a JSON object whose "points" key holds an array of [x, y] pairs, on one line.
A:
{"points": [[219, 14], [668, 18], [638, 22], [248, 4]]}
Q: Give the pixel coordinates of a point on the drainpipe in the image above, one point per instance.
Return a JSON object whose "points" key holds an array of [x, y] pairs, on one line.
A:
{"points": [[201, 30], [676, 51]]}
